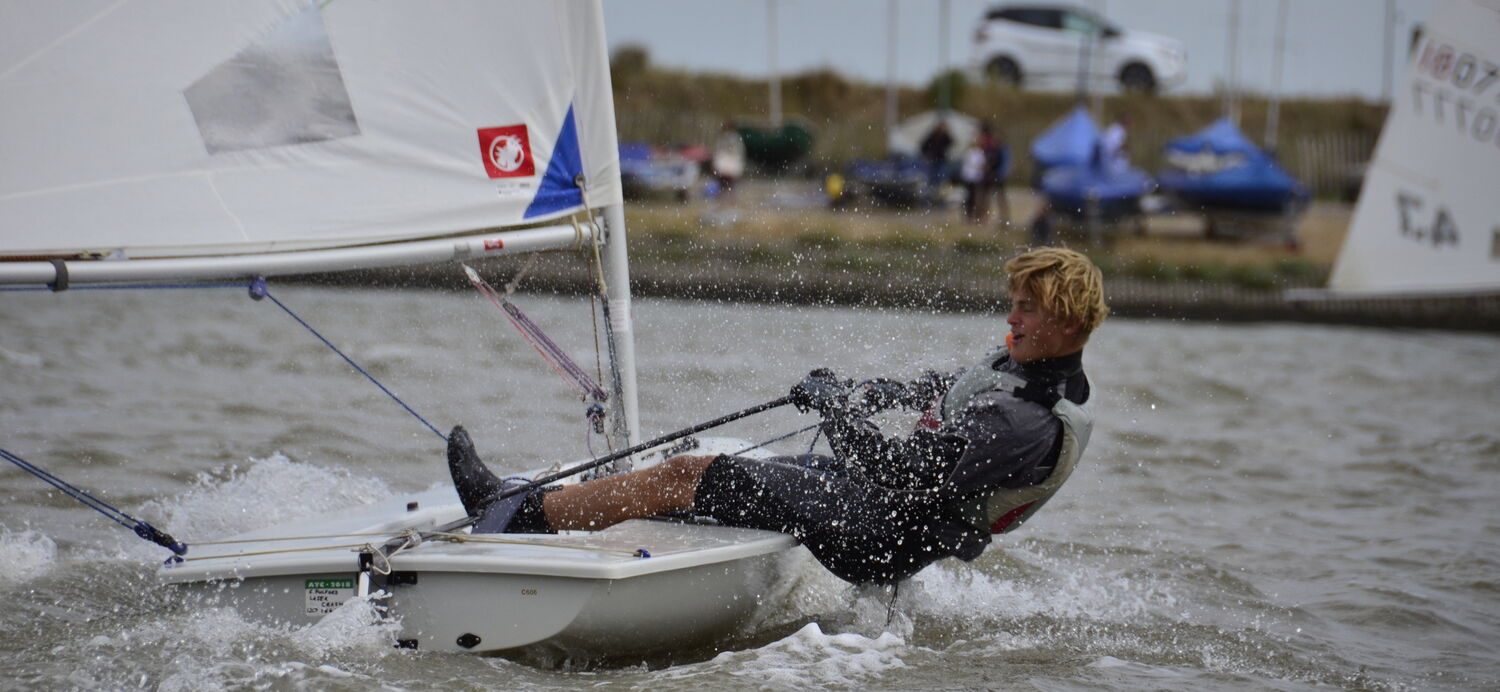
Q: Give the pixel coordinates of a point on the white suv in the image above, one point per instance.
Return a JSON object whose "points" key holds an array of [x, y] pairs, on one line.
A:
{"points": [[1046, 43]]}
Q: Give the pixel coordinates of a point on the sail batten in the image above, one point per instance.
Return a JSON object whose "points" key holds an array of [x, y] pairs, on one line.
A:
{"points": [[247, 126]]}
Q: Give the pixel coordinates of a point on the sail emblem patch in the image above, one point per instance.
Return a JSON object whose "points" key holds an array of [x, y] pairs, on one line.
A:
{"points": [[506, 151]]}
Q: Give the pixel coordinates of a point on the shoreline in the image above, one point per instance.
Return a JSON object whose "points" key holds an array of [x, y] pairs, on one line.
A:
{"points": [[775, 241], [960, 289]]}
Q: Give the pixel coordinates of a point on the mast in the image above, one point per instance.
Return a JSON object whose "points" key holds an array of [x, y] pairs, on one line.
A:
{"points": [[1273, 118], [1386, 68], [945, 94], [890, 69], [771, 50], [617, 273], [1232, 65]]}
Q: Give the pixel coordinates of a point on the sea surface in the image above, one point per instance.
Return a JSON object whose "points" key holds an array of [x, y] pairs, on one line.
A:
{"points": [[1263, 506]]}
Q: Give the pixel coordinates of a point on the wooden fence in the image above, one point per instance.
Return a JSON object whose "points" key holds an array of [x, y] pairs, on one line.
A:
{"points": [[1331, 164]]}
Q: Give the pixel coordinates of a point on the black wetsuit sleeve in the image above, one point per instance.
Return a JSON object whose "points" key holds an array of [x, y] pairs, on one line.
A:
{"points": [[922, 460]]}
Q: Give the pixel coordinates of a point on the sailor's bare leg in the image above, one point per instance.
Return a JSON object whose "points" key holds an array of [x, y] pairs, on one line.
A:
{"points": [[666, 487]]}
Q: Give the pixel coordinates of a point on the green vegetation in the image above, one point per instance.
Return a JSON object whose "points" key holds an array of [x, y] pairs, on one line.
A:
{"points": [[668, 107], [819, 239]]}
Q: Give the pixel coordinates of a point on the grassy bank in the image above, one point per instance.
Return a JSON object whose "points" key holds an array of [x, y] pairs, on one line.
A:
{"points": [[935, 243]]}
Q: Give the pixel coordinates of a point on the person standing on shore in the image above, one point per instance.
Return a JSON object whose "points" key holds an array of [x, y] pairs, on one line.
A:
{"points": [[998, 440], [1114, 147], [999, 167], [934, 151], [974, 171]]}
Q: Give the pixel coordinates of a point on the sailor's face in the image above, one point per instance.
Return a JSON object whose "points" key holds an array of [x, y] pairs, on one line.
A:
{"points": [[1036, 333]]}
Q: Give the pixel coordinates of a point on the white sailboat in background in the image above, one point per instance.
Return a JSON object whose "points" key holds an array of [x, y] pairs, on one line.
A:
{"points": [[1428, 219], [230, 139]]}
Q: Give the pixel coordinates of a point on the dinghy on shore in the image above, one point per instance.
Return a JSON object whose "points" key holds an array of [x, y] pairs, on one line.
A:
{"points": [[1239, 188]]}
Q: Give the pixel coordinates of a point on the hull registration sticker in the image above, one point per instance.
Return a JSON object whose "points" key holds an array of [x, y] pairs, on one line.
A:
{"points": [[326, 595]]}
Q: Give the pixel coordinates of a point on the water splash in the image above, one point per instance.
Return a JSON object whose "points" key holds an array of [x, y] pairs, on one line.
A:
{"points": [[808, 658], [26, 555], [19, 359], [217, 648], [269, 491]]}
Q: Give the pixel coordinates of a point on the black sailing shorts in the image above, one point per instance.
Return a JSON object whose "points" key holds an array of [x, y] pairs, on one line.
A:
{"points": [[861, 532]]}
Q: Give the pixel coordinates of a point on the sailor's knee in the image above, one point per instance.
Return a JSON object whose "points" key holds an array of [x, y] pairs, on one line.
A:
{"points": [[683, 469]]}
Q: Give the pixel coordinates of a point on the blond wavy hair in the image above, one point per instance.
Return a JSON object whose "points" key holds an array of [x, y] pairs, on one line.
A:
{"points": [[1064, 282]]}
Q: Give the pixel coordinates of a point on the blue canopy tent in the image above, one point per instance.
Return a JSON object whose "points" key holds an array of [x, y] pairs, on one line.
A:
{"points": [[1219, 169], [1070, 142]]}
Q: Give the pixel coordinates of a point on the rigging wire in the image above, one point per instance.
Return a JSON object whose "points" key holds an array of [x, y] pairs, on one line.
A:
{"points": [[258, 290], [596, 283], [616, 379], [556, 358]]}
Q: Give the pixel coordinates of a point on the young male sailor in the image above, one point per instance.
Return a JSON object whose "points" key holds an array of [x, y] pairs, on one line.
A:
{"points": [[1001, 439]]}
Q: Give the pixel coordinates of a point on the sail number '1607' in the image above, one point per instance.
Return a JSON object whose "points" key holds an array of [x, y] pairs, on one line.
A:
{"points": [[1450, 88]]}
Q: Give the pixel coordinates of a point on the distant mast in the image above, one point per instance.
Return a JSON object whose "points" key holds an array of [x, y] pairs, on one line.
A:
{"points": [[771, 49]]}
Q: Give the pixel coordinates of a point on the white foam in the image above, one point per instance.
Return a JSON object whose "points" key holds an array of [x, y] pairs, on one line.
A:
{"points": [[1062, 591], [216, 648], [20, 360], [26, 555], [269, 491], [190, 675], [358, 627], [808, 658]]}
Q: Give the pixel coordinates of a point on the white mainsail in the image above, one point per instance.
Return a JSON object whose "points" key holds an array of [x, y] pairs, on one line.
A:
{"points": [[200, 139], [1428, 219], [171, 128]]}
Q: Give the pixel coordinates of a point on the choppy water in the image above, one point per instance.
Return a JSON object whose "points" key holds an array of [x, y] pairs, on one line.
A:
{"points": [[1263, 506]]}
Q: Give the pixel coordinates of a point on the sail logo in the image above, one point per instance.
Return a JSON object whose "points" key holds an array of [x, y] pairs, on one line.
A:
{"points": [[506, 151]]}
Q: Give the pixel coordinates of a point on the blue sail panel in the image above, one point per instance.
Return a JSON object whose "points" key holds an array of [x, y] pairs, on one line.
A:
{"points": [[558, 190]]}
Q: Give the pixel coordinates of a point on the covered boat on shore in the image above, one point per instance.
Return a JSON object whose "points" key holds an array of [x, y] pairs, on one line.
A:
{"points": [[902, 179], [1087, 188], [1239, 187], [1071, 141]]}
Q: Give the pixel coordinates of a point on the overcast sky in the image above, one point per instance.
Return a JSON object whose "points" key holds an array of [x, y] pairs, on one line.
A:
{"points": [[1333, 47]]}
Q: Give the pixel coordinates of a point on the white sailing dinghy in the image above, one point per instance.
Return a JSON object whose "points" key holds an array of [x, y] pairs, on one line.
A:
{"points": [[1427, 223], [175, 140]]}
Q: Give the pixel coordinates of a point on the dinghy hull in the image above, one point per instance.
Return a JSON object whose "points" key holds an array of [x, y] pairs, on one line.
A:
{"points": [[639, 586]]}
